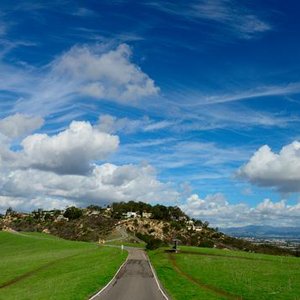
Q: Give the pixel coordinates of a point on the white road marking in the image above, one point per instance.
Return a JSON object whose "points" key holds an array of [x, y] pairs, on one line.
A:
{"points": [[104, 288], [157, 282]]}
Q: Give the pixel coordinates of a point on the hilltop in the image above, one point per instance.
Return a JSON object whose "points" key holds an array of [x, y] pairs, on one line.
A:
{"points": [[156, 225]]}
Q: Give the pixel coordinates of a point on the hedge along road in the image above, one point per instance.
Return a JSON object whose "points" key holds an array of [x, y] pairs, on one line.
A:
{"points": [[135, 280]]}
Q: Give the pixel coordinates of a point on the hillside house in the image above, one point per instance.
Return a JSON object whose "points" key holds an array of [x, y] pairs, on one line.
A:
{"points": [[92, 213], [190, 225], [198, 228], [61, 218], [131, 214], [107, 211]]}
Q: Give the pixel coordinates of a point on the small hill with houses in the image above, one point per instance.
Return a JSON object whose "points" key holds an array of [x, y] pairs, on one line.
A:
{"points": [[156, 225]]}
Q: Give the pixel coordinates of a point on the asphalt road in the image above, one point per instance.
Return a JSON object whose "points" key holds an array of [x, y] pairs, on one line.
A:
{"points": [[134, 281]]}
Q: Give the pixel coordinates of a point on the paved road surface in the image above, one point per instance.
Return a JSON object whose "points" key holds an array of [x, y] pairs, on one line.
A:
{"points": [[135, 281]]}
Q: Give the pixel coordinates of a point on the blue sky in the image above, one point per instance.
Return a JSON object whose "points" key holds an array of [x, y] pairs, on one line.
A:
{"points": [[192, 104]]}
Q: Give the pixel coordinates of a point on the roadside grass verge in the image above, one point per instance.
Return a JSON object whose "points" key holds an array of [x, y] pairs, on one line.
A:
{"points": [[201, 273], [40, 266]]}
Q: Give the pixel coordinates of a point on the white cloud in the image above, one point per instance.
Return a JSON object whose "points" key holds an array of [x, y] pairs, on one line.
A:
{"points": [[104, 75], [219, 212], [159, 125], [22, 204], [85, 72], [105, 184], [19, 125], [269, 169], [70, 151], [62, 169]]}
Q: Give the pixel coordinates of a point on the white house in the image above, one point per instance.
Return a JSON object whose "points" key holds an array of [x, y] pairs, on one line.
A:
{"points": [[61, 218], [190, 225], [131, 214], [198, 228]]}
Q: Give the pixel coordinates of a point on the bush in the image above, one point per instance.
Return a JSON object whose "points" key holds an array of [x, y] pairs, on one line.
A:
{"points": [[151, 242], [154, 244], [144, 237], [73, 213], [166, 229], [176, 225], [207, 244]]}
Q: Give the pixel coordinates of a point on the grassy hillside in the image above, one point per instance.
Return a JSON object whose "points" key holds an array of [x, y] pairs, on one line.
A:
{"points": [[40, 266], [222, 274], [156, 224]]}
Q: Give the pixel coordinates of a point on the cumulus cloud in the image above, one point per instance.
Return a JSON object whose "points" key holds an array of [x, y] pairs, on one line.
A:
{"points": [[64, 169], [31, 204], [18, 125], [70, 151], [268, 169], [105, 184], [219, 212], [104, 75], [83, 73]]}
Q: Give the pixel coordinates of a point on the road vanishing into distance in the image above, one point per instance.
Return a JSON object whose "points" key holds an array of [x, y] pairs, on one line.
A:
{"points": [[134, 281]]}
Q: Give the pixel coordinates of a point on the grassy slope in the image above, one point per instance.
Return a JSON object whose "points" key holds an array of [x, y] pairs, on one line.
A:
{"points": [[219, 274], [58, 269]]}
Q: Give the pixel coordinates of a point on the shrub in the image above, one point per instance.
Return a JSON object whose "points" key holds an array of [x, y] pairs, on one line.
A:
{"points": [[166, 229], [176, 225], [151, 242], [207, 244], [73, 213], [154, 244]]}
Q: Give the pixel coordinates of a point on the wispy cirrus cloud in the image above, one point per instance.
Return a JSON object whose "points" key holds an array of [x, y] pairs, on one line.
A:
{"points": [[112, 124], [174, 154], [253, 93], [95, 72], [2, 29], [83, 12], [226, 15], [3, 24]]}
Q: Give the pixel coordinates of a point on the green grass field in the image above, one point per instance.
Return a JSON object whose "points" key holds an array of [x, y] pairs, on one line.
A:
{"points": [[40, 266], [199, 273]]}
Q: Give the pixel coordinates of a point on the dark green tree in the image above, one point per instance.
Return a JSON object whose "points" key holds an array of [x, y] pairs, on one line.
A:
{"points": [[9, 211], [73, 213]]}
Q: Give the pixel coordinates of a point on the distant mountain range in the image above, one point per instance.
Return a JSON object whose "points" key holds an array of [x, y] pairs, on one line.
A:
{"points": [[257, 231]]}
